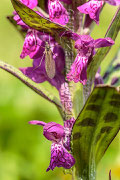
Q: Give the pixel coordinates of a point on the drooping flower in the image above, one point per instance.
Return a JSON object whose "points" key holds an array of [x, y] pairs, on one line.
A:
{"points": [[85, 46], [60, 157], [57, 12], [93, 8]]}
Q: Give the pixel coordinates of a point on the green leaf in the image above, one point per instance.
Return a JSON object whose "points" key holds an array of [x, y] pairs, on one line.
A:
{"points": [[18, 27], [95, 128], [112, 32], [34, 20]]}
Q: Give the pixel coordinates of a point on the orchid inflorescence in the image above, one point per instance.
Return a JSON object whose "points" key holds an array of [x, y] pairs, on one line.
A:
{"points": [[85, 46]]}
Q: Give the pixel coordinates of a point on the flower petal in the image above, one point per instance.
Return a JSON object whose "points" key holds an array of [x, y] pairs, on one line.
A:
{"points": [[53, 131], [92, 8], [35, 74], [60, 157], [30, 3], [32, 45], [78, 72], [57, 13], [103, 42], [36, 122]]}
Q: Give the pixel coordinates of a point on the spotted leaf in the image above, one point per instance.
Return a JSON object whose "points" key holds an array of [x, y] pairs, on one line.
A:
{"points": [[95, 128], [34, 20]]}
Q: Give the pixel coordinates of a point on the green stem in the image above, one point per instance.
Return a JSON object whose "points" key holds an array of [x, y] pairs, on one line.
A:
{"points": [[28, 82]]}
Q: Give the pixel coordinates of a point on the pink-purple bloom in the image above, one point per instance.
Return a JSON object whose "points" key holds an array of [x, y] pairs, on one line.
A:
{"points": [[30, 3], [57, 12], [60, 157], [85, 46], [34, 46], [93, 8]]}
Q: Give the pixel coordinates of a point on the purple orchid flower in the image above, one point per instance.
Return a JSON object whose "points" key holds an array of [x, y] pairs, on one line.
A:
{"points": [[85, 46], [60, 157], [93, 8], [34, 46], [57, 12]]}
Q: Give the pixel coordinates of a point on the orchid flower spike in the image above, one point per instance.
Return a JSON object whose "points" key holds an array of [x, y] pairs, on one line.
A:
{"points": [[60, 157]]}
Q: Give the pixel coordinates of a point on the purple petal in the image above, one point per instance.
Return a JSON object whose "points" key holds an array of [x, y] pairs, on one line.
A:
{"points": [[60, 157], [32, 45], [103, 42], [92, 8], [35, 74], [53, 131], [57, 13], [78, 72], [36, 122], [84, 42], [70, 34], [88, 21], [19, 21], [30, 3]]}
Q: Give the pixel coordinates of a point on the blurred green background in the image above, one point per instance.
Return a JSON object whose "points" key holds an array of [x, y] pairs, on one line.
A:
{"points": [[24, 152]]}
